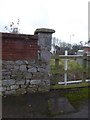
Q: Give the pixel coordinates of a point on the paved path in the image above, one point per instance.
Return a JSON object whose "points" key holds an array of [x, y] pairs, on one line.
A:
{"points": [[83, 112], [30, 106]]}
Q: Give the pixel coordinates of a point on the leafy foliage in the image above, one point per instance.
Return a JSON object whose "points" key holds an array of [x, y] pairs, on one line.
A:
{"points": [[12, 28]]}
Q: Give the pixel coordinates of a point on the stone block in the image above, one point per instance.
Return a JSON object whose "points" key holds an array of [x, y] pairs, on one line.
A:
{"points": [[8, 62], [13, 76], [35, 82], [16, 67], [47, 82], [10, 66], [29, 66], [0, 89], [21, 91], [8, 82], [4, 66], [10, 92], [43, 88], [0, 82], [20, 82], [23, 68], [8, 88], [3, 89], [27, 82], [46, 55], [32, 89], [5, 72], [31, 62], [41, 70], [14, 72], [48, 68], [19, 62], [26, 62], [32, 70], [6, 77], [28, 75], [18, 75], [40, 76], [13, 87], [23, 86]]}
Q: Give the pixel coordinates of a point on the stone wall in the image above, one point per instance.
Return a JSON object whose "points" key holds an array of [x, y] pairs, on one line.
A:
{"points": [[20, 76]]}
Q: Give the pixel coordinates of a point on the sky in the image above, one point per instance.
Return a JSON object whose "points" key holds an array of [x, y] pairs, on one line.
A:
{"points": [[69, 18]]}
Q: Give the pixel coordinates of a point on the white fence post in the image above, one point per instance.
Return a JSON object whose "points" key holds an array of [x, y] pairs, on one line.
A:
{"points": [[65, 68]]}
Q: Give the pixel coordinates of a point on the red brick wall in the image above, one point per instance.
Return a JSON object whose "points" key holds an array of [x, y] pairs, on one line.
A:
{"points": [[19, 46]]}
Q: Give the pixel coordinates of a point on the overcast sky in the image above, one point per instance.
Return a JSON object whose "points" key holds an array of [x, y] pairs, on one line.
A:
{"points": [[66, 17]]}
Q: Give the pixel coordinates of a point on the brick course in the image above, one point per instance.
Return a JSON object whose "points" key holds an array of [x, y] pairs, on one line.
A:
{"points": [[15, 47]]}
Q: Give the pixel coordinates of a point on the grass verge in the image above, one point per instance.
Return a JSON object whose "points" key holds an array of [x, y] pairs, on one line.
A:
{"points": [[76, 98], [70, 86]]}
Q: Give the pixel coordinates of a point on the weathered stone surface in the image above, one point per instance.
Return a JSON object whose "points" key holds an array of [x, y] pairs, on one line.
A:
{"points": [[41, 69], [35, 82], [8, 62], [14, 87], [10, 66], [43, 88], [3, 89], [10, 92], [47, 82], [32, 89], [44, 30], [18, 75], [23, 86], [19, 62], [6, 72], [32, 70], [20, 82], [27, 82], [21, 91], [8, 82], [16, 67], [46, 55], [6, 77], [48, 68], [37, 76], [26, 62], [13, 76], [14, 72], [8, 88], [28, 75], [23, 68], [29, 66], [0, 82], [31, 62]]}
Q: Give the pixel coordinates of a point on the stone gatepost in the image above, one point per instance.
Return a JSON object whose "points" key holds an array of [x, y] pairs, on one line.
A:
{"points": [[44, 55]]}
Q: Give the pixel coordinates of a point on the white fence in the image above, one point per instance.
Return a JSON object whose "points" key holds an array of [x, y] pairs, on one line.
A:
{"points": [[66, 57]]}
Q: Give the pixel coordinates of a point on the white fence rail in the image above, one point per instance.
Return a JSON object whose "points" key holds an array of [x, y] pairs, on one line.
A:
{"points": [[66, 57], [71, 82]]}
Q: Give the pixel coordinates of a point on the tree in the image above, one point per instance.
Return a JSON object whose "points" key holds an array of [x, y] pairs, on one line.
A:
{"points": [[13, 28]]}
